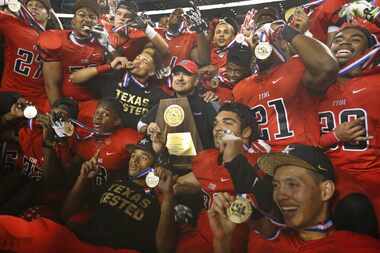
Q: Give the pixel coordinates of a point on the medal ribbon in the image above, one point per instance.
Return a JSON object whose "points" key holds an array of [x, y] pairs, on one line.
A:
{"points": [[362, 61], [29, 19], [313, 4], [142, 173], [92, 131]]}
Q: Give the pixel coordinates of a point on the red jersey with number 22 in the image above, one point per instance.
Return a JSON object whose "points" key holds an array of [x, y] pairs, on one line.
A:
{"points": [[354, 98], [285, 111]]}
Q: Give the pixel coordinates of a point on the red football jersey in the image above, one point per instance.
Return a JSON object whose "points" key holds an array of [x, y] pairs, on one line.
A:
{"points": [[61, 46], [346, 101], [218, 59], [213, 178], [32, 156], [179, 46], [285, 111], [23, 69], [336, 241], [113, 151]]}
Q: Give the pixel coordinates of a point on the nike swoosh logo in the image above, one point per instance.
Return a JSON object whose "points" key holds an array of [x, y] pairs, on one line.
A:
{"points": [[357, 91], [224, 179], [277, 80], [197, 113]]}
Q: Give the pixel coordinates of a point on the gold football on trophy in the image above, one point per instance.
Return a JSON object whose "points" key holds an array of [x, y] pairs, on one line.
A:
{"points": [[174, 115]]}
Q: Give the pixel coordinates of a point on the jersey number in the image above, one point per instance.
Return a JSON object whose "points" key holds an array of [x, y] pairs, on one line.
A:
{"points": [[261, 114], [328, 124], [23, 64]]}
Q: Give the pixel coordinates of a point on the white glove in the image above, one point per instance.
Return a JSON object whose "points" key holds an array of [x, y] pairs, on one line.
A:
{"points": [[359, 8]]}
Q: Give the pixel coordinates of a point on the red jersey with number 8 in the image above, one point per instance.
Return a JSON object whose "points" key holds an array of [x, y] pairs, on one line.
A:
{"points": [[285, 111]]}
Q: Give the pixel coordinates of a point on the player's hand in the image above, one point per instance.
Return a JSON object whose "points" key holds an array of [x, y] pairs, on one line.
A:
{"points": [[45, 120], [352, 131], [154, 132], [209, 96], [300, 20], [221, 226], [90, 168], [166, 181], [209, 70], [153, 127], [120, 63], [195, 20], [17, 109], [139, 22], [231, 146]]}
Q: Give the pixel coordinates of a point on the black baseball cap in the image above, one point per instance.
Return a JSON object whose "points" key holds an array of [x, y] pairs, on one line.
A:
{"points": [[144, 144], [240, 54], [308, 157]]}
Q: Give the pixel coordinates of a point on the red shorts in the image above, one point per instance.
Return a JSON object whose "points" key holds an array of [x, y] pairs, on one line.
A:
{"points": [[43, 236]]}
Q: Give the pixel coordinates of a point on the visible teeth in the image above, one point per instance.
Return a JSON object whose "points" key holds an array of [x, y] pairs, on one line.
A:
{"points": [[344, 51], [289, 208]]}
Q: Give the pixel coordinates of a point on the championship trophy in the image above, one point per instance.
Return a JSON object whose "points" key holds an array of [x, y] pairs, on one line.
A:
{"points": [[181, 137]]}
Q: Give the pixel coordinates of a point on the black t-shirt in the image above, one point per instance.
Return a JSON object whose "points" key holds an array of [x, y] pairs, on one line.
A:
{"points": [[126, 217], [137, 98]]}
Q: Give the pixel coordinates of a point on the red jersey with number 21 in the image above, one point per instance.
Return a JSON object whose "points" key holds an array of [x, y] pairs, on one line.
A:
{"points": [[285, 111]]}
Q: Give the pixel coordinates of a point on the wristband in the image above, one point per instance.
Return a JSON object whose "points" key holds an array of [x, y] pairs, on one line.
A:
{"points": [[150, 32], [103, 68], [329, 139], [288, 33]]}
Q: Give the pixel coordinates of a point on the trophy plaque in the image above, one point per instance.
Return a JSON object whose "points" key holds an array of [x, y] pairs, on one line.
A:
{"points": [[175, 118]]}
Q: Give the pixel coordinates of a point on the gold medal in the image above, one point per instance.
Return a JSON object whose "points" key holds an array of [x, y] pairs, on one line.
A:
{"points": [[240, 210], [263, 50], [68, 128], [151, 180], [174, 115], [14, 5]]}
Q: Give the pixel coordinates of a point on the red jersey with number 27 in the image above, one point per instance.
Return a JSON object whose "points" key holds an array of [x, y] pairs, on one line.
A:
{"points": [[285, 111], [60, 46], [23, 69]]}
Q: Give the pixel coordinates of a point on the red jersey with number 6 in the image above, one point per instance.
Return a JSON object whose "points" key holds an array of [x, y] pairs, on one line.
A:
{"points": [[61, 46], [23, 69], [345, 101], [285, 111]]}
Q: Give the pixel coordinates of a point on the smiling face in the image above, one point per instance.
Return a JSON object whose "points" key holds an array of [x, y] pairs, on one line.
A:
{"points": [[235, 72], [348, 44], [224, 34], [301, 196], [38, 11], [83, 18], [183, 82], [140, 160], [175, 19]]}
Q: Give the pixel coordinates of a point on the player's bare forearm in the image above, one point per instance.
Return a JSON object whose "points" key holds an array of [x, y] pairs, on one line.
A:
{"points": [[222, 245], [166, 230], [83, 75], [76, 198], [52, 72], [160, 44], [202, 50], [320, 63]]}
